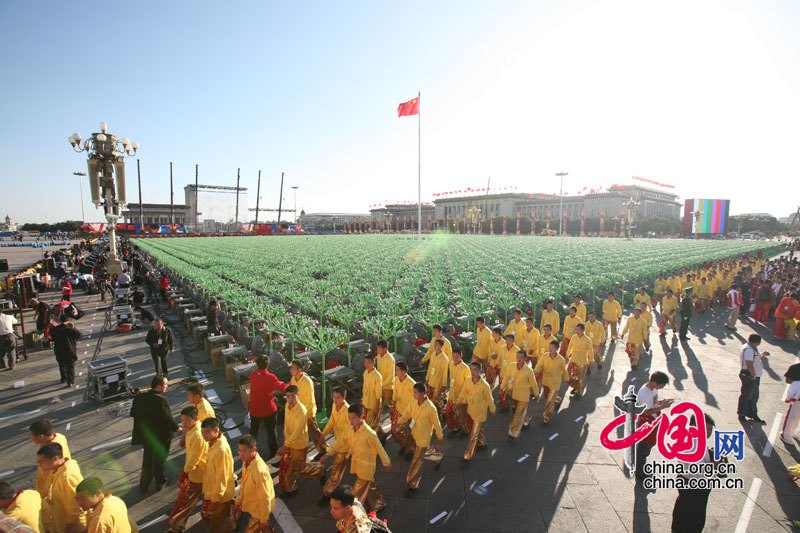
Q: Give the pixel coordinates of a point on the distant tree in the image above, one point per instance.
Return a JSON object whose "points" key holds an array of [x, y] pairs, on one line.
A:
{"points": [[66, 226], [746, 224]]}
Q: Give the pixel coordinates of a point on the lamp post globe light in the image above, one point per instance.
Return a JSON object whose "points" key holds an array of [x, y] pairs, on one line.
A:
{"points": [[106, 167]]}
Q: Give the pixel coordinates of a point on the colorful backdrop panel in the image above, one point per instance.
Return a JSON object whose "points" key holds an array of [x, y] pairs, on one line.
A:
{"points": [[705, 216]]}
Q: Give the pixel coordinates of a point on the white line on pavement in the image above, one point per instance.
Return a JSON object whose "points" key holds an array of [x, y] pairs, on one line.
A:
{"points": [[19, 414], [554, 435], [776, 422], [107, 444], [747, 509], [438, 517], [154, 521], [284, 518]]}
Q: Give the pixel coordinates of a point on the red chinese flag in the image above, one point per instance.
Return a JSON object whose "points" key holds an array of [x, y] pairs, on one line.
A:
{"points": [[408, 108]]}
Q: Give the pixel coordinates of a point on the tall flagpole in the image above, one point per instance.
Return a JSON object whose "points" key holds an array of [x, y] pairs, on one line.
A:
{"points": [[419, 166]]}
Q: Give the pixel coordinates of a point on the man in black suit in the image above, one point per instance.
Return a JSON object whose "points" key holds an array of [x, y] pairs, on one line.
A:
{"points": [[64, 336], [153, 428]]}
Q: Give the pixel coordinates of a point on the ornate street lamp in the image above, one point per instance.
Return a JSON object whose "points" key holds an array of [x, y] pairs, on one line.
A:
{"points": [[106, 166]]}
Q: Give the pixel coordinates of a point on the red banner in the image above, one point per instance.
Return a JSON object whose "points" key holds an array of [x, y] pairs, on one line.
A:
{"points": [[668, 186]]}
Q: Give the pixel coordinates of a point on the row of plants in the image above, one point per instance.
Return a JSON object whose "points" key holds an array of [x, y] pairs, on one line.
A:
{"points": [[321, 290]]}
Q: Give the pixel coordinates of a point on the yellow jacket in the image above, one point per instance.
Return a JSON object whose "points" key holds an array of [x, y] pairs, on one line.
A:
{"points": [[204, 410], [660, 286], [596, 332], [362, 446], [637, 328], [580, 350], [507, 356], [612, 311], [385, 365], [60, 508], [306, 394], [196, 454], [459, 374], [544, 344], [496, 350], [639, 298], [43, 477], [437, 370], [447, 349], [552, 318], [478, 397], [295, 427], [110, 516], [647, 316], [581, 311], [669, 305], [552, 371], [674, 284], [425, 420], [703, 290], [338, 422], [403, 393], [483, 343], [516, 328], [218, 479], [371, 390], [26, 507], [529, 342], [256, 492], [519, 382], [569, 325]]}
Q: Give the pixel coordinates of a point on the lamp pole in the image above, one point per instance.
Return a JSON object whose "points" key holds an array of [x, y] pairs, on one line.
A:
{"points": [[561, 205], [80, 182], [295, 187], [106, 166]]}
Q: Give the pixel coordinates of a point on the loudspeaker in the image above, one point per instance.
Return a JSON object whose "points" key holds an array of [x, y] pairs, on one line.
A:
{"points": [[3, 265], [94, 182], [119, 172], [29, 292]]}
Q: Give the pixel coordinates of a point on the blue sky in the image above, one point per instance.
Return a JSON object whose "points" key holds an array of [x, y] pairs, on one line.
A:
{"points": [[702, 95]]}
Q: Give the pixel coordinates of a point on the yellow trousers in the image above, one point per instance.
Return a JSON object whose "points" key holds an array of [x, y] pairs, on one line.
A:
{"points": [[299, 467], [336, 474], [477, 437], [254, 526], [438, 397], [598, 357], [368, 493], [386, 396], [520, 419], [581, 372], [315, 435], [551, 398], [373, 419], [428, 453]]}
